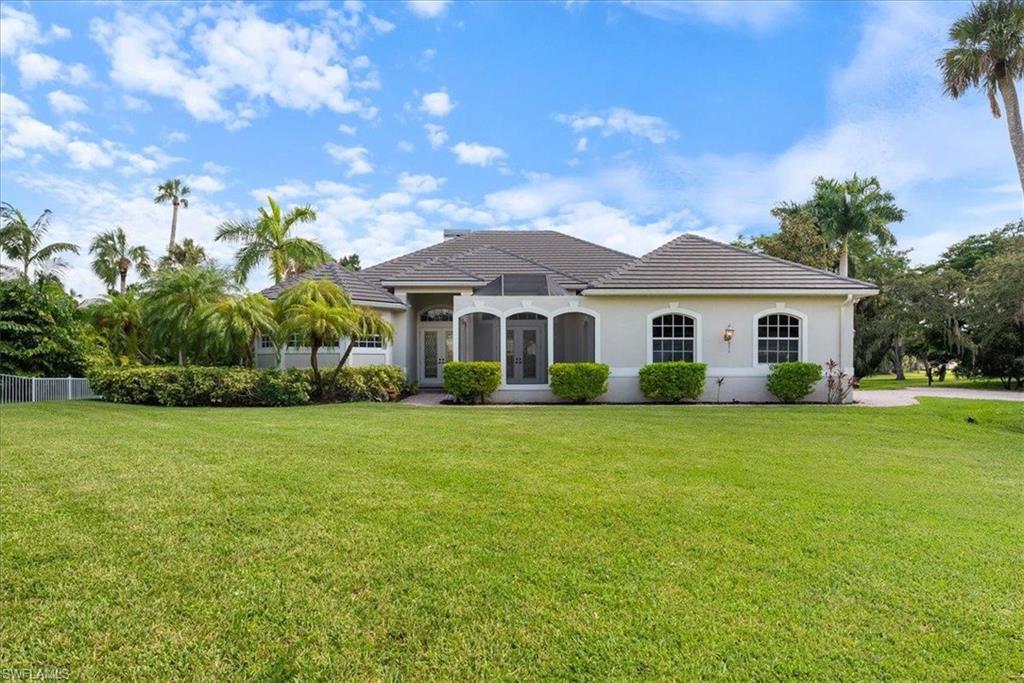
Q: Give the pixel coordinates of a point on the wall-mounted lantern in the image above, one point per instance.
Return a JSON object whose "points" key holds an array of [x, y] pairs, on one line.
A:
{"points": [[728, 335]]}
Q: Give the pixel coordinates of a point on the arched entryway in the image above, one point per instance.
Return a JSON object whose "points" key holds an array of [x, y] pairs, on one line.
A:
{"points": [[526, 349]]}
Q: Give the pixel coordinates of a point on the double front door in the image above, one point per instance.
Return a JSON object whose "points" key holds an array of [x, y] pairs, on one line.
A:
{"points": [[435, 349], [526, 353]]}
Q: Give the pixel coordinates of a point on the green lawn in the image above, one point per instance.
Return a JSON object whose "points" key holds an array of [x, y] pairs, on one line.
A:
{"points": [[919, 379], [402, 542]]}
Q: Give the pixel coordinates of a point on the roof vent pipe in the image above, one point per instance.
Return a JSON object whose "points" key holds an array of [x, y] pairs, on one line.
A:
{"points": [[456, 232]]}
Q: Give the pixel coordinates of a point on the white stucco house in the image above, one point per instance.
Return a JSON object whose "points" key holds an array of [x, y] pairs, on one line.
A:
{"points": [[531, 298]]}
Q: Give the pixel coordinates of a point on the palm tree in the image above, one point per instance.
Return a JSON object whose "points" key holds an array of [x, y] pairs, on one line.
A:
{"points": [[174, 304], [322, 314], [113, 257], [183, 255], [23, 243], [119, 318], [855, 208], [989, 54], [268, 238], [175, 192], [236, 322]]}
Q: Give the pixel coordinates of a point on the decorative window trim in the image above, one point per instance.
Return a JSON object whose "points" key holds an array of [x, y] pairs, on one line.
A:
{"points": [[425, 311], [698, 331], [372, 342], [777, 309]]}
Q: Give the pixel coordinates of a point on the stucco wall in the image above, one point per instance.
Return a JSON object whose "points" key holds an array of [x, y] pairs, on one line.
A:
{"points": [[328, 358], [623, 340]]}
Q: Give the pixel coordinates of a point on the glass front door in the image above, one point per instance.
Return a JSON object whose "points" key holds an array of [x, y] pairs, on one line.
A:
{"points": [[526, 354], [435, 351]]}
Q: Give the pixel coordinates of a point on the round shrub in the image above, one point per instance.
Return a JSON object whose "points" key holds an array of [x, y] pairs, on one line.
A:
{"points": [[673, 381], [578, 382], [472, 381], [790, 382]]}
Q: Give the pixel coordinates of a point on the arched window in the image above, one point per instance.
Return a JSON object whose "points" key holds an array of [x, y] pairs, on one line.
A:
{"points": [[672, 338], [435, 315], [778, 338]]}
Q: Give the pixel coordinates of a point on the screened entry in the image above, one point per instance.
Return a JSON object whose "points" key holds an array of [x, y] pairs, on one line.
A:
{"points": [[574, 338], [526, 349], [480, 337]]}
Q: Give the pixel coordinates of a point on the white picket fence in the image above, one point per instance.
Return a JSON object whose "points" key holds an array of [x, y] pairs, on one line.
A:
{"points": [[14, 389]]}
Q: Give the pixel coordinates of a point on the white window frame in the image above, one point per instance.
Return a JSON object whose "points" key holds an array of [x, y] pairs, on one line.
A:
{"points": [[673, 309], [804, 332], [379, 347]]}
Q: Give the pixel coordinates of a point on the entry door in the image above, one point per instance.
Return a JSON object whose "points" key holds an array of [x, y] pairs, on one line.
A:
{"points": [[435, 351], [526, 355]]}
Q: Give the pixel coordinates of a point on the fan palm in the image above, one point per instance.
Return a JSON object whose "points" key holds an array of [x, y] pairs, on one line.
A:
{"points": [[851, 209], [176, 193], [23, 243], [236, 321], [113, 257], [119, 318], [174, 304], [269, 238], [989, 54]]}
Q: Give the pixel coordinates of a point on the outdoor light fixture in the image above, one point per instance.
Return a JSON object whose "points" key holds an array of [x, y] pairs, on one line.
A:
{"points": [[728, 335]]}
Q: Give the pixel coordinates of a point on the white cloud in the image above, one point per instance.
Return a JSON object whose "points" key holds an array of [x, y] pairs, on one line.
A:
{"points": [[475, 154], [380, 25], [346, 129], [437, 104], [428, 9], [618, 121], [18, 30], [239, 52], [88, 155], [65, 103], [177, 136], [135, 103], [751, 15], [405, 146], [59, 32], [204, 183], [420, 184], [437, 136], [39, 68], [581, 145], [354, 157]]}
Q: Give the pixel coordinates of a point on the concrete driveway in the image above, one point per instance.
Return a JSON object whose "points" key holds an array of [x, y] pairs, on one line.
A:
{"points": [[882, 398]]}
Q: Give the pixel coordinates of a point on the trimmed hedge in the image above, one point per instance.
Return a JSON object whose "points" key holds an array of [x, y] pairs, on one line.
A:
{"points": [[790, 382], [372, 383], [200, 386], [673, 381], [578, 382], [471, 381]]}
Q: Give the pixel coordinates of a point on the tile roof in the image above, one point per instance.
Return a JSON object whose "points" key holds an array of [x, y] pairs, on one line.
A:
{"points": [[361, 289], [693, 262]]}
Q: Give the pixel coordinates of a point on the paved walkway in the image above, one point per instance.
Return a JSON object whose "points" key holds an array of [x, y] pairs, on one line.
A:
{"points": [[425, 398], [884, 398]]}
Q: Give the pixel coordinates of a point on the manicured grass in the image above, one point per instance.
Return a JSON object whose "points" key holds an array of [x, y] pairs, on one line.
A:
{"points": [[919, 379], [401, 542]]}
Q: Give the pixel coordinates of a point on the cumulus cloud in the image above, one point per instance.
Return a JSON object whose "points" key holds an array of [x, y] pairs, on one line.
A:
{"points": [[39, 68], [437, 136], [205, 183], [428, 9], [419, 184], [437, 104], [353, 157], [20, 31], [66, 103], [620, 121], [475, 154], [292, 66]]}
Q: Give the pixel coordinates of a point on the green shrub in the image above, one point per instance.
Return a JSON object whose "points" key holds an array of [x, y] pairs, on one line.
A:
{"points": [[200, 386], [371, 383], [578, 382], [471, 381], [673, 381], [790, 382]]}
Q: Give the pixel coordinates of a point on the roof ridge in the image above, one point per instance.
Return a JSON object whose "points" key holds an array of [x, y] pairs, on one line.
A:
{"points": [[447, 260], [448, 240], [572, 278], [772, 258]]}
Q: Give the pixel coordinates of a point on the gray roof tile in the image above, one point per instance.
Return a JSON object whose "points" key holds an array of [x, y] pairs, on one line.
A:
{"points": [[356, 285], [693, 262]]}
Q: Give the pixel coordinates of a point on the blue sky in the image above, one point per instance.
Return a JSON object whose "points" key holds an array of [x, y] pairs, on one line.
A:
{"points": [[622, 123]]}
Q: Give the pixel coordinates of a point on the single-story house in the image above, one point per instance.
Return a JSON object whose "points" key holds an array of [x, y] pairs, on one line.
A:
{"points": [[528, 299]]}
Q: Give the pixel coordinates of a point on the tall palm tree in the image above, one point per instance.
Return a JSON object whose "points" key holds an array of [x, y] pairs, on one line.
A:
{"points": [[236, 321], [23, 243], [175, 192], [174, 304], [119, 318], [989, 54], [269, 238], [845, 210], [113, 258], [183, 255]]}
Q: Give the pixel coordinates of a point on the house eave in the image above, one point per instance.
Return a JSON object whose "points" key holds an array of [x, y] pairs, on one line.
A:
{"points": [[727, 291], [380, 304]]}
